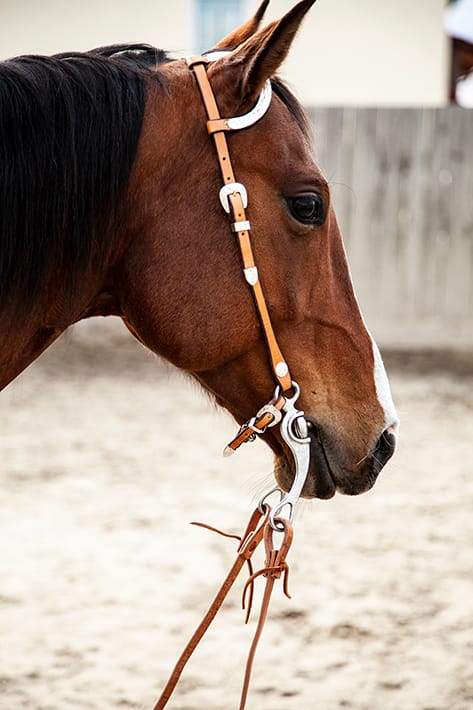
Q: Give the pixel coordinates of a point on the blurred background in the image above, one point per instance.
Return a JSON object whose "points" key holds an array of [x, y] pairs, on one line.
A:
{"points": [[356, 53], [106, 453]]}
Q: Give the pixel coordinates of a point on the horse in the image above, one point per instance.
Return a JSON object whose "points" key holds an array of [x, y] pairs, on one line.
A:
{"points": [[109, 200]]}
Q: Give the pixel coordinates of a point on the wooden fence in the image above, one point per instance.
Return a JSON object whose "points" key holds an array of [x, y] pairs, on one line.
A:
{"points": [[402, 186]]}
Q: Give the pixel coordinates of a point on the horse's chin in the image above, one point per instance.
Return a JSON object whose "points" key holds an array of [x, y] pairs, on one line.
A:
{"points": [[325, 477], [319, 483]]}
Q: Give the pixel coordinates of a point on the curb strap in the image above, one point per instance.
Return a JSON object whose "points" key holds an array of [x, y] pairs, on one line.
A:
{"points": [[234, 199], [275, 566]]}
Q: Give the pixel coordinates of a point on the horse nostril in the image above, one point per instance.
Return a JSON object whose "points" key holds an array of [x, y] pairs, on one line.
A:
{"points": [[384, 449]]}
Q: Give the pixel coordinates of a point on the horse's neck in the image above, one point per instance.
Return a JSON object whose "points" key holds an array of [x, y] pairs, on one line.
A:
{"points": [[22, 343], [20, 347]]}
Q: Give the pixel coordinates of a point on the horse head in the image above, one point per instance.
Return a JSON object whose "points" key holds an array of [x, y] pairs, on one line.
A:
{"points": [[181, 289]]}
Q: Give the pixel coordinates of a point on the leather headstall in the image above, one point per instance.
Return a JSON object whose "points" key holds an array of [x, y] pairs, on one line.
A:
{"points": [[233, 196]]}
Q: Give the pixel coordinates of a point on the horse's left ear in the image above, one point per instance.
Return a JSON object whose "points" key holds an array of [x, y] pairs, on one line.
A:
{"points": [[234, 39], [260, 56]]}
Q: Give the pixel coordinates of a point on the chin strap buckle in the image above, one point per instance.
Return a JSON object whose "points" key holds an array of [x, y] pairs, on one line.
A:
{"points": [[267, 416]]}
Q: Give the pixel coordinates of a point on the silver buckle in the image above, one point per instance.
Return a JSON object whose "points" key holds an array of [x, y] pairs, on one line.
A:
{"points": [[230, 189]]}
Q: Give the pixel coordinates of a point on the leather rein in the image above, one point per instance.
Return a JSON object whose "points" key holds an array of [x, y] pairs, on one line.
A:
{"points": [[280, 409]]}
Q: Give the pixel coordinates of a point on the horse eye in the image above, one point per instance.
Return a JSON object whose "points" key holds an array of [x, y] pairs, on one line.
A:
{"points": [[308, 209]]}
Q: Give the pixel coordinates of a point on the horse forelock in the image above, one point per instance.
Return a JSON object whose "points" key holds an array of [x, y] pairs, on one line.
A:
{"points": [[69, 130], [290, 101]]}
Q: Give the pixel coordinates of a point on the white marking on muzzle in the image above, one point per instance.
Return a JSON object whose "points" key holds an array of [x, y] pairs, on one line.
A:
{"points": [[383, 391]]}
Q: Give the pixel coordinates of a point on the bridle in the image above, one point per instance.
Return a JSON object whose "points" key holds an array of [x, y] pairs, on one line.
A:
{"points": [[280, 409]]}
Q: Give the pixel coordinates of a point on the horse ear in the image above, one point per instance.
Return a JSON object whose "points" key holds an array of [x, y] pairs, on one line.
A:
{"points": [[234, 39], [260, 56]]}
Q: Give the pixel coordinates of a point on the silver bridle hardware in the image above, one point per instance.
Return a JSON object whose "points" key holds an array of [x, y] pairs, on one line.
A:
{"points": [[294, 431], [257, 112], [282, 369], [244, 226], [230, 189]]}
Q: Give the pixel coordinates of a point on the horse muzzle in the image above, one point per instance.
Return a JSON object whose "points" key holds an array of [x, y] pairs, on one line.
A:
{"points": [[329, 471]]}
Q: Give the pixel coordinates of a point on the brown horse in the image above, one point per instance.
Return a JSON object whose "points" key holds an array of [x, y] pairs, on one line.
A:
{"points": [[109, 191]]}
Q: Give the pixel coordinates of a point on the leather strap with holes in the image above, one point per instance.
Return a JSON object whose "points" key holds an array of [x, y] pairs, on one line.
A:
{"points": [[217, 127]]}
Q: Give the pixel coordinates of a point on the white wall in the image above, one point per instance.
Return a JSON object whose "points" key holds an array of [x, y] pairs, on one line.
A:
{"points": [[371, 52], [47, 26], [366, 52]]}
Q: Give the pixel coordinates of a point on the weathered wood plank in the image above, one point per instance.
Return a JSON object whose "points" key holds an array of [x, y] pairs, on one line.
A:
{"points": [[402, 187]]}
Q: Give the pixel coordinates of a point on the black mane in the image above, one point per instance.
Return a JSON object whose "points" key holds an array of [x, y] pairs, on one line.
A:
{"points": [[290, 101], [69, 131]]}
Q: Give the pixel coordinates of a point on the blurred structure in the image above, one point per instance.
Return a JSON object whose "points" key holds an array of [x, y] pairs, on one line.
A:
{"points": [[365, 53], [402, 186], [459, 27], [214, 19]]}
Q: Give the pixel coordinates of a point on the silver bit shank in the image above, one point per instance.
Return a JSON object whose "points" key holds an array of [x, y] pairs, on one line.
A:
{"points": [[295, 433]]}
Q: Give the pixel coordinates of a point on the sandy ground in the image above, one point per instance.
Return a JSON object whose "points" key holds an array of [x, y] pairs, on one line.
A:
{"points": [[106, 455]]}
